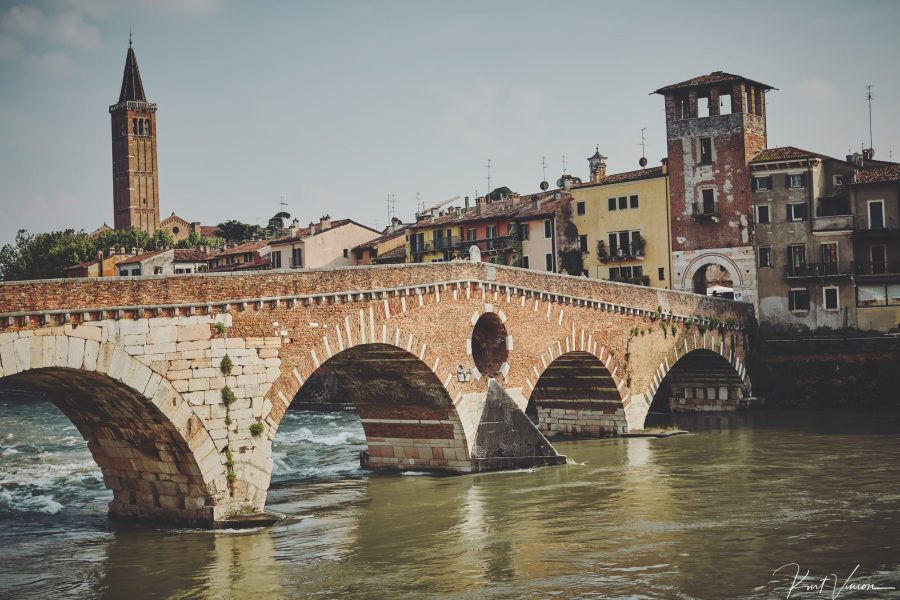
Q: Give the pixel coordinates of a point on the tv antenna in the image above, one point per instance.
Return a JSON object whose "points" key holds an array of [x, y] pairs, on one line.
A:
{"points": [[391, 201], [544, 185], [489, 175], [869, 99], [643, 160], [564, 157]]}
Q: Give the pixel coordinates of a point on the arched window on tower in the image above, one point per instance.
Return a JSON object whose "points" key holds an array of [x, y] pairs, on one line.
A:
{"points": [[147, 127], [134, 126]]}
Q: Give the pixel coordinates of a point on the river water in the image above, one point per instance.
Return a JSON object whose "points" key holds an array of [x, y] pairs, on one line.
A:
{"points": [[707, 515]]}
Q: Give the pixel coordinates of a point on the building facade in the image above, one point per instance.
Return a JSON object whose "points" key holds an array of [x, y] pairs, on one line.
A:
{"points": [[875, 197], [324, 244], [164, 262], [714, 125], [388, 248], [802, 225], [134, 165], [544, 227], [623, 225]]}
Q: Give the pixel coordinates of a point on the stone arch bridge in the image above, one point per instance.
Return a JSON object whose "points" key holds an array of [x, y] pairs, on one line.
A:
{"points": [[442, 362]]}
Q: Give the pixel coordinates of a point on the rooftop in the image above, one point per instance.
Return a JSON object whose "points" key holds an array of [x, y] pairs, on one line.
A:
{"points": [[885, 174], [399, 231], [625, 177], [783, 153], [714, 78], [242, 249]]}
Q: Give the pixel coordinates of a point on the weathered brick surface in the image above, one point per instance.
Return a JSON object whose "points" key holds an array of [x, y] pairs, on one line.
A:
{"points": [[395, 336]]}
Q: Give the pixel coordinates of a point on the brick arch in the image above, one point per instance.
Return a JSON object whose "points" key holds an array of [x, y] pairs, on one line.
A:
{"points": [[577, 394], [156, 455], [408, 416], [483, 309], [689, 346], [687, 276]]}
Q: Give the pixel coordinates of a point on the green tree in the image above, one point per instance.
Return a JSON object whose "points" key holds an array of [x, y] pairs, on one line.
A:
{"points": [[236, 231], [124, 238], [276, 224], [500, 193], [162, 239], [572, 261], [195, 241], [44, 255]]}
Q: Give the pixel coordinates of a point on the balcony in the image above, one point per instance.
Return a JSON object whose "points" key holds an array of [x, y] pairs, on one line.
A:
{"points": [[819, 270], [874, 269], [833, 223], [703, 214], [640, 280], [486, 245], [888, 229]]}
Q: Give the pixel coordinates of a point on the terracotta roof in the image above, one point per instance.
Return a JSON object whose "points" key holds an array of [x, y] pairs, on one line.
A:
{"points": [[132, 88], [546, 206], [83, 265], [304, 232], [885, 174], [784, 153], [711, 79], [190, 255], [134, 260], [625, 177], [399, 252], [242, 249], [489, 210], [208, 230], [382, 238]]}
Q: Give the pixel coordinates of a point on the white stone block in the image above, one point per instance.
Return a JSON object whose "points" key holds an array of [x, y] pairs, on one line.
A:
{"points": [[133, 326], [163, 334], [189, 333], [118, 364], [76, 353], [22, 350]]}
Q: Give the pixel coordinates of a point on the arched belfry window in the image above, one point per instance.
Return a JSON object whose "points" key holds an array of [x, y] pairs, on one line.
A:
{"points": [[147, 127], [134, 126]]}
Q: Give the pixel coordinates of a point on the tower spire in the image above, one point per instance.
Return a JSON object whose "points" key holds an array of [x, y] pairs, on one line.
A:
{"points": [[132, 87]]}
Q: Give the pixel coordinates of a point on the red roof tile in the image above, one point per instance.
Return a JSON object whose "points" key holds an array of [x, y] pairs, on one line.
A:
{"points": [[625, 177], [885, 174], [783, 153], [713, 78]]}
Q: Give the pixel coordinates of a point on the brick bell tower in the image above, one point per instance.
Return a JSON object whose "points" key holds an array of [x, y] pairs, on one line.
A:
{"points": [[134, 167], [714, 125]]}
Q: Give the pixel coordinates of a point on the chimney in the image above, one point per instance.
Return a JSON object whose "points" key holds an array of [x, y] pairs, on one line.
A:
{"points": [[665, 166], [868, 153], [99, 263], [467, 203], [325, 222], [312, 228], [295, 225], [478, 203], [535, 202]]}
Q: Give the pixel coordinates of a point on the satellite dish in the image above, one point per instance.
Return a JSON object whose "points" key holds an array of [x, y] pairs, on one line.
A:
{"points": [[559, 182], [643, 162], [544, 185]]}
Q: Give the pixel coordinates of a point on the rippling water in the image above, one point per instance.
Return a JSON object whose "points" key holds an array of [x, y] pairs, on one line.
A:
{"points": [[706, 515]]}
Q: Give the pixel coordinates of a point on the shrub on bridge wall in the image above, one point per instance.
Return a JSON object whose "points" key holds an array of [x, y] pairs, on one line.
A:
{"points": [[227, 396], [220, 328], [257, 428], [226, 365]]}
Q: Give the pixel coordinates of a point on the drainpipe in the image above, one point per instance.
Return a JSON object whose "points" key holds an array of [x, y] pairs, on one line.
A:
{"points": [[668, 223]]}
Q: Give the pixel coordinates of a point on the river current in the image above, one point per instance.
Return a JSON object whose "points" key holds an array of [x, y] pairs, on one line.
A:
{"points": [[712, 514]]}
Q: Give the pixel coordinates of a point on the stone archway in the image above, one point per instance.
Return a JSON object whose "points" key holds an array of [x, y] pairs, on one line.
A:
{"points": [[699, 263], [702, 380], [156, 455]]}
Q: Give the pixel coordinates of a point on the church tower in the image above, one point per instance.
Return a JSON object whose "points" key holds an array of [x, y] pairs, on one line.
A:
{"points": [[134, 167]]}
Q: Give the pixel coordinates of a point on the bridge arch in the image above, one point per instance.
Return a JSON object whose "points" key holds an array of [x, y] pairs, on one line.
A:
{"points": [[701, 262], [576, 394], [156, 455], [407, 414], [701, 380]]}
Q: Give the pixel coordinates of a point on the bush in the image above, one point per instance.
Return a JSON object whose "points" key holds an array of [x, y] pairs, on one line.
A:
{"points": [[227, 396], [226, 365], [257, 428]]}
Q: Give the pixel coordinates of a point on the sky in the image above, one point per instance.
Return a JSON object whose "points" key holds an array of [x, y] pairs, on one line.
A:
{"points": [[336, 105]]}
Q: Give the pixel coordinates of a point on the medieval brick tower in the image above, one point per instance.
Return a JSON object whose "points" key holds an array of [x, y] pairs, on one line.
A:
{"points": [[714, 125], [135, 177]]}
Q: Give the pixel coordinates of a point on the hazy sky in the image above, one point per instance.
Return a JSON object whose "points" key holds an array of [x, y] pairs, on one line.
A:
{"points": [[334, 105]]}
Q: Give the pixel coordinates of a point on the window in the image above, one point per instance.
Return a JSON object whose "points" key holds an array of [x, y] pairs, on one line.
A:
{"points": [[614, 273], [491, 232], [762, 214], [876, 214], [612, 204], [765, 256], [661, 274], [878, 260], [524, 262], [839, 179], [548, 229], [549, 261], [795, 181], [346, 253], [583, 243], [470, 235], [633, 202], [297, 258], [762, 183], [613, 244], [798, 300], [524, 229], [797, 256], [709, 202], [830, 253], [623, 202], [637, 271], [706, 157], [796, 212], [830, 298], [580, 208], [276, 260], [871, 295]]}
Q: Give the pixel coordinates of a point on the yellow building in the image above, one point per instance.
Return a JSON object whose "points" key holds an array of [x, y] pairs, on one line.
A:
{"points": [[623, 223]]}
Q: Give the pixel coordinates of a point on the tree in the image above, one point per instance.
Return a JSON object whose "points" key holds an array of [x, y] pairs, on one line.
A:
{"points": [[276, 223], [195, 241], [124, 238], [162, 239], [236, 231], [44, 255], [500, 193], [572, 261]]}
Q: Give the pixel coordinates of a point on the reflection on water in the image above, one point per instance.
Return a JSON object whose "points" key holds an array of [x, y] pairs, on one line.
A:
{"points": [[706, 515]]}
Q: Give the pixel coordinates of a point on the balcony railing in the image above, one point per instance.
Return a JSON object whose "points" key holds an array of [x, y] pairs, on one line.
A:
{"points": [[826, 269], [487, 244], [833, 223], [640, 280], [707, 213], [887, 267]]}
